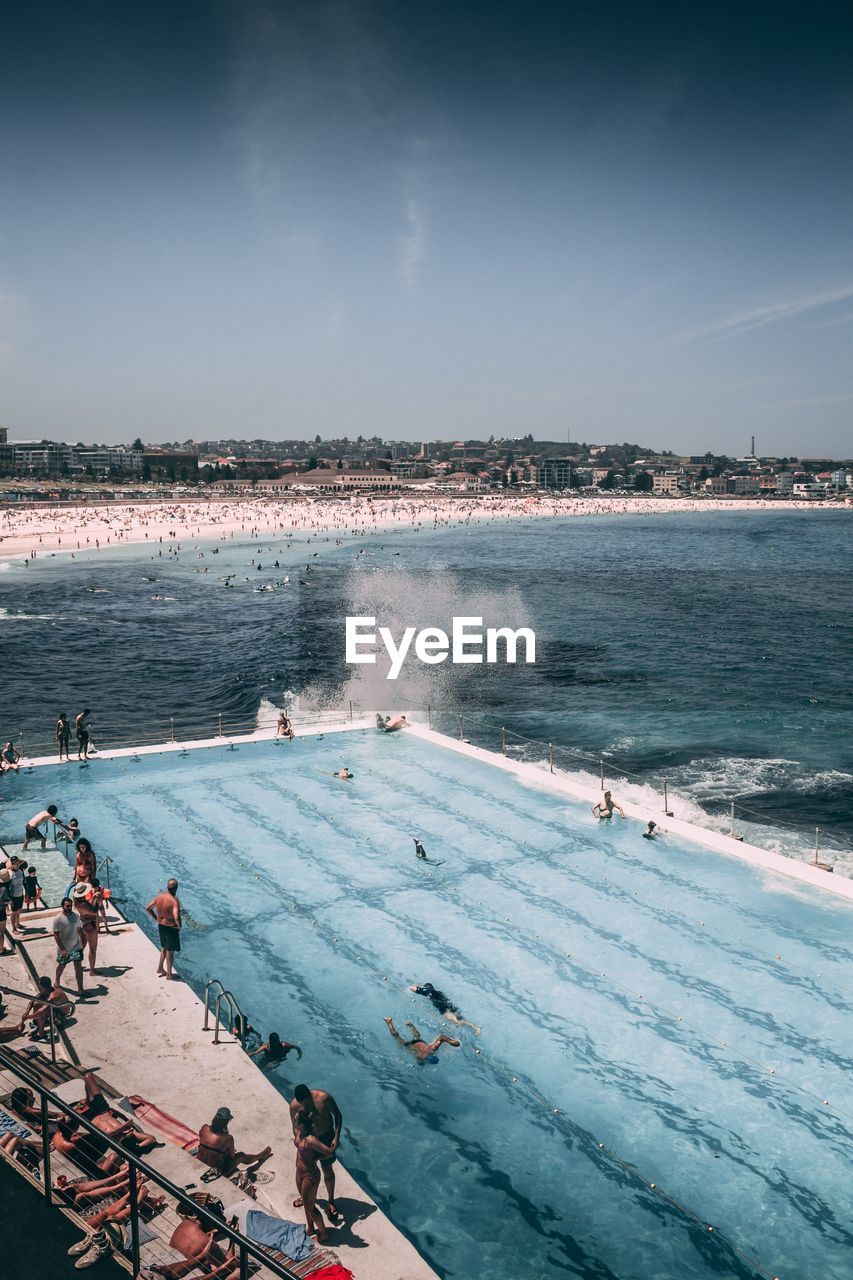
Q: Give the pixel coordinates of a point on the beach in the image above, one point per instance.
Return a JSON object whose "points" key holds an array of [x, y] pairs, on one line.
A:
{"points": [[28, 531]]}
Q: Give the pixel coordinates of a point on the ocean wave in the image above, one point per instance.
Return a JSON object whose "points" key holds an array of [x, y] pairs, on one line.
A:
{"points": [[7, 615]]}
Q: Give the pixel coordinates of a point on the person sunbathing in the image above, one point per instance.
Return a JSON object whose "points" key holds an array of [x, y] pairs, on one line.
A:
{"points": [[120, 1128], [200, 1250]]}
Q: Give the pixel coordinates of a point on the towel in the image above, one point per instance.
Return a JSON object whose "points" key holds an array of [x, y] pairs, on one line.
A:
{"points": [[287, 1237], [175, 1130], [8, 1124]]}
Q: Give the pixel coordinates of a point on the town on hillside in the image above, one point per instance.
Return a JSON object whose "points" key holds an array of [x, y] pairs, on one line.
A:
{"points": [[59, 470]]}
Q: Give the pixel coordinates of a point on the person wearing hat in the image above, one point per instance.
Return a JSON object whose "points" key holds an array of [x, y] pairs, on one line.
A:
{"points": [[216, 1146], [88, 901], [5, 897]]}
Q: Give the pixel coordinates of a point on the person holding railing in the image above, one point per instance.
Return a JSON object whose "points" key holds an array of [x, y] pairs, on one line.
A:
{"points": [[33, 830]]}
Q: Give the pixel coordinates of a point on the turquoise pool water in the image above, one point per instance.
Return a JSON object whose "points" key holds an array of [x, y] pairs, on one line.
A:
{"points": [[651, 1013]]}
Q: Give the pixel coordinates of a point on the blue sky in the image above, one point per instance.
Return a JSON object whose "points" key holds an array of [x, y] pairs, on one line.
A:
{"points": [[270, 219]]}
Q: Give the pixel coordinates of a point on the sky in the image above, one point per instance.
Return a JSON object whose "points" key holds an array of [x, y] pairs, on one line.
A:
{"points": [[256, 218]]}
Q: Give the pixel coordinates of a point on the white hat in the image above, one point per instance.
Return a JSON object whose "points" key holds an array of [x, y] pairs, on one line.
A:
{"points": [[80, 890]]}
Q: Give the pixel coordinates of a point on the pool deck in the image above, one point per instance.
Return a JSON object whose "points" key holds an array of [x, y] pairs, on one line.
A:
{"points": [[143, 1035]]}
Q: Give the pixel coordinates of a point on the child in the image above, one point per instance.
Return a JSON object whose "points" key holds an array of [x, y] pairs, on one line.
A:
{"points": [[72, 831], [32, 890]]}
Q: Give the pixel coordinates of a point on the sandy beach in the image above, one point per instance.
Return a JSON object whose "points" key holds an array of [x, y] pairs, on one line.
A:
{"points": [[27, 532]]}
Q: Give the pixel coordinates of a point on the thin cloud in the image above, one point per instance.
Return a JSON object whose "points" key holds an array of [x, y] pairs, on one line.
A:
{"points": [[787, 404], [412, 248], [760, 317]]}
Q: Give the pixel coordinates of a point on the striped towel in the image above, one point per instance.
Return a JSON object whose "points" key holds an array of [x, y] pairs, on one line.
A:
{"points": [[8, 1124]]}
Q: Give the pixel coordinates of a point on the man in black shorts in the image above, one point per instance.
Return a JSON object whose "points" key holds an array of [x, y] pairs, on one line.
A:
{"points": [[81, 725], [166, 910]]}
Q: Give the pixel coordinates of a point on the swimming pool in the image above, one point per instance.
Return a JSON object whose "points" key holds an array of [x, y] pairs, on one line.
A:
{"points": [[652, 1014]]}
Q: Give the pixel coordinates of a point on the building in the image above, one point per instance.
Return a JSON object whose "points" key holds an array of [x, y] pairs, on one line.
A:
{"points": [[552, 473], [666, 485]]}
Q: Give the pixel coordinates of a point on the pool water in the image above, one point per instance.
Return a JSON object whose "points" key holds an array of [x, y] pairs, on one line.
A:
{"points": [[651, 1013]]}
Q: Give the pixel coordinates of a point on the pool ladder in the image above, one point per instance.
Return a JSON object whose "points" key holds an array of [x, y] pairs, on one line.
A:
{"points": [[236, 1017]]}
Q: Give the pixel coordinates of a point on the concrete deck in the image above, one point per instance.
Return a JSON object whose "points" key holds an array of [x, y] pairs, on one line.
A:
{"points": [[143, 1035]]}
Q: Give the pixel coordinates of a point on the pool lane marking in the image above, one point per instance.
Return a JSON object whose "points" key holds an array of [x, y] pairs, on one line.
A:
{"points": [[669, 877], [660, 1011], [626, 1165], [579, 871]]}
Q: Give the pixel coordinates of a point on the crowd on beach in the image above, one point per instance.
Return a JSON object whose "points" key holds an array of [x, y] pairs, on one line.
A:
{"points": [[29, 533]]}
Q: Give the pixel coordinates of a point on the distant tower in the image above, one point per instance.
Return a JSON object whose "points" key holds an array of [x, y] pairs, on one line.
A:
{"points": [[752, 450]]}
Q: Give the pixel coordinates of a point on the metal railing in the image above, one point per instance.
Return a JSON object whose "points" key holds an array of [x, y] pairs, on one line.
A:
{"points": [[247, 1248], [51, 1008], [176, 730], [460, 725], [236, 1017]]}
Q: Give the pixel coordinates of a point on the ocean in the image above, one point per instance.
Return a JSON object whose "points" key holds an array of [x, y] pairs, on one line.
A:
{"points": [[710, 650]]}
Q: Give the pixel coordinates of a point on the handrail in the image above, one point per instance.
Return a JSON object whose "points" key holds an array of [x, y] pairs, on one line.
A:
{"points": [[51, 1008], [248, 1248], [236, 1017], [212, 982]]}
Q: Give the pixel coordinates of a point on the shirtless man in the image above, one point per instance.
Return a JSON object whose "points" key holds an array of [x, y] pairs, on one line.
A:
{"points": [[166, 910], [326, 1121], [97, 1111], [33, 829], [423, 1052], [200, 1249], [216, 1146], [604, 808]]}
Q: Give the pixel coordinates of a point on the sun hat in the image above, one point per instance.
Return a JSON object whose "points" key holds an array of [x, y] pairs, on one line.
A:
{"points": [[80, 890], [224, 1114]]}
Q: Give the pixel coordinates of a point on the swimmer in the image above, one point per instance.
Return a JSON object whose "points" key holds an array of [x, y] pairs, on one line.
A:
{"points": [[439, 1001], [649, 833], [420, 851], [399, 722], [284, 729], [604, 808], [423, 1052], [344, 774]]}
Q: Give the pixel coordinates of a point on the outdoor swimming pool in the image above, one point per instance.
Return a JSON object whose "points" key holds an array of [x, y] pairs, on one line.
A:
{"points": [[652, 1014]]}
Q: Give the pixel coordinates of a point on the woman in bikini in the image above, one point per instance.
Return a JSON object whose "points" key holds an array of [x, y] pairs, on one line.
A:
{"points": [[309, 1151], [88, 900]]}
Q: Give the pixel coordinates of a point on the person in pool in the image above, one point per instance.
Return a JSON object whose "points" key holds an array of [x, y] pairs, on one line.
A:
{"points": [[344, 774], [650, 832], [274, 1051], [423, 1052], [439, 1001], [604, 808]]}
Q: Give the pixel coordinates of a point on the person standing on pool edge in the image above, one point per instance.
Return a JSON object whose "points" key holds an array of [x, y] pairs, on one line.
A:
{"points": [[81, 725], [166, 910], [323, 1116]]}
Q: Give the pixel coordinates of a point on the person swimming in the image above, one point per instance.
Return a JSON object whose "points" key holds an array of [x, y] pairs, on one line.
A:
{"points": [[445, 1007], [604, 808], [649, 833], [423, 1052]]}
